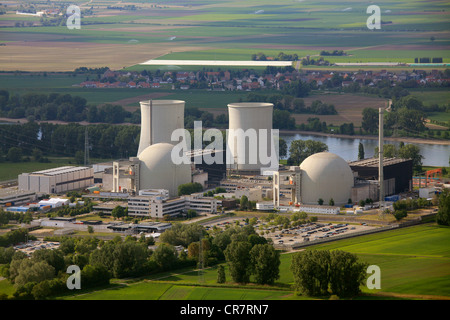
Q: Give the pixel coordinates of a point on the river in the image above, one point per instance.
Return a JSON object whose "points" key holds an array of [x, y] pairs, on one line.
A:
{"points": [[347, 148]]}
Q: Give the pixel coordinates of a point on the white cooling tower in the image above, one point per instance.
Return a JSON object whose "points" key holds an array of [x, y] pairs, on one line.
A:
{"points": [[246, 120], [159, 118]]}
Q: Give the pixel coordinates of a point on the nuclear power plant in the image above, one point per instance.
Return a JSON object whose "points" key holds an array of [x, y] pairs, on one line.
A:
{"points": [[323, 177]]}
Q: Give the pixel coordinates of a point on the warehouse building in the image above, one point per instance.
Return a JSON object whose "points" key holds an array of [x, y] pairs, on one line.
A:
{"points": [[57, 180], [12, 196], [398, 173]]}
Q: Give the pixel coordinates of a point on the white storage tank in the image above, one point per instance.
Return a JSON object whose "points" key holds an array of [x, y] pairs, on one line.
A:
{"points": [[159, 118]]}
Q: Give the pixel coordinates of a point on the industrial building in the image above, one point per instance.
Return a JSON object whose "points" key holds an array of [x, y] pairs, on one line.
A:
{"points": [[13, 196], [57, 180], [398, 173], [160, 205]]}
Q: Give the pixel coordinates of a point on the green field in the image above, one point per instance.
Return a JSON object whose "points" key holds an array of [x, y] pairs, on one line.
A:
{"points": [[227, 30], [414, 262]]}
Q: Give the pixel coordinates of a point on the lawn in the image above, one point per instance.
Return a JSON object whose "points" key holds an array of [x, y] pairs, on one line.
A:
{"points": [[413, 261]]}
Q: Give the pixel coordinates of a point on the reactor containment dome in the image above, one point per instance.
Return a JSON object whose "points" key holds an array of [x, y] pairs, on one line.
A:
{"points": [[157, 170], [327, 176]]}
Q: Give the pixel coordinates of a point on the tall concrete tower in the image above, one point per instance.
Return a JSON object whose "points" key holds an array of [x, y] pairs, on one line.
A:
{"points": [[159, 118], [246, 142]]}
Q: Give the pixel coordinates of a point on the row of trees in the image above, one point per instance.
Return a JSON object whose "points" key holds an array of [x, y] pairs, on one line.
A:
{"points": [[324, 272], [63, 107], [40, 140]]}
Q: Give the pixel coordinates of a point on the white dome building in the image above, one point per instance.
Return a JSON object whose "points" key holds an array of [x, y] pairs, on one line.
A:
{"points": [[157, 170], [325, 175]]}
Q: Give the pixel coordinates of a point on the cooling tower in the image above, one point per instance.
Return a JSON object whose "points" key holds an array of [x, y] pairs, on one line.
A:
{"points": [[159, 118], [247, 120]]}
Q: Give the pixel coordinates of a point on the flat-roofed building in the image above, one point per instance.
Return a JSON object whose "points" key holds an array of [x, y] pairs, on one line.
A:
{"points": [[12, 196], [159, 206], [57, 180]]}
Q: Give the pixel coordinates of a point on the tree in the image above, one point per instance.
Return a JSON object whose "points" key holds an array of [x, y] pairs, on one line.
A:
{"points": [[189, 188], [320, 201], [301, 149], [370, 120], [331, 202], [361, 151], [443, 215], [410, 151], [244, 203], [29, 271], [129, 259], [346, 273], [221, 274], [237, 255], [14, 154], [310, 271], [118, 212], [93, 276], [165, 256], [266, 262], [79, 157], [321, 272]]}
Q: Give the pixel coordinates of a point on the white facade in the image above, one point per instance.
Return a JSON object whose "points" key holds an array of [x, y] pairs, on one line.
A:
{"points": [[265, 206], [325, 175], [159, 206], [159, 118], [245, 122], [57, 180], [317, 209]]}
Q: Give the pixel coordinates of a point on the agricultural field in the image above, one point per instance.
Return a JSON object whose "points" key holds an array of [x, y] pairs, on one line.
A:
{"points": [[122, 37], [414, 264]]}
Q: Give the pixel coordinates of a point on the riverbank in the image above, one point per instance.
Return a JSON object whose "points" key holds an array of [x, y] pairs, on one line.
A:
{"points": [[368, 137]]}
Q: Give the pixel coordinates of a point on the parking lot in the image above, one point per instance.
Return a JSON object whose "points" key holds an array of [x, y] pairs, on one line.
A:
{"points": [[31, 246], [296, 234]]}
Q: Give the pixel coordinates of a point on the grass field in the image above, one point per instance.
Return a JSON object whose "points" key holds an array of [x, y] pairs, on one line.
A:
{"points": [[414, 264], [10, 171], [226, 30]]}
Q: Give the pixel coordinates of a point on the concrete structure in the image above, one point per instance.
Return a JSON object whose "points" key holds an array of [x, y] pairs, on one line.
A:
{"points": [[244, 142], [57, 180], [125, 175], [157, 170], [253, 194], [159, 118]]}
